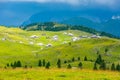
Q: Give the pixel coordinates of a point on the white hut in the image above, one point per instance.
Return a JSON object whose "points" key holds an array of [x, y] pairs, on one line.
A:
{"points": [[75, 38], [65, 33], [40, 44], [49, 45], [34, 36], [3, 39], [64, 42], [55, 37], [70, 34], [84, 36], [95, 36]]}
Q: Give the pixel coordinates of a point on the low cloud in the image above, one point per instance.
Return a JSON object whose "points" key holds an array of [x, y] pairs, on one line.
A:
{"points": [[115, 17]]}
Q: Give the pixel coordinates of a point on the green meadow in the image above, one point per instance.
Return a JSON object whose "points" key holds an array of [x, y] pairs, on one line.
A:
{"points": [[17, 44], [57, 74]]}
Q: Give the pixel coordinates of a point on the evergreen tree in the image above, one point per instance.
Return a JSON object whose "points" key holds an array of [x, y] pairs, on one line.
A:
{"points": [[113, 67], [25, 66], [69, 66], [39, 63], [47, 65], [69, 43], [18, 64], [44, 62], [15, 64], [80, 65], [65, 61], [59, 63], [118, 67], [78, 58], [106, 50], [95, 66], [99, 59], [103, 66], [85, 58], [8, 65], [73, 59], [11, 65]]}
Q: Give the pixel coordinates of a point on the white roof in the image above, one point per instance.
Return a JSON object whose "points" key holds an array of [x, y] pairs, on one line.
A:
{"points": [[40, 44]]}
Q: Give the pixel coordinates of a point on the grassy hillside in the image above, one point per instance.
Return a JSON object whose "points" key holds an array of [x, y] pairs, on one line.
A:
{"points": [[16, 44]]}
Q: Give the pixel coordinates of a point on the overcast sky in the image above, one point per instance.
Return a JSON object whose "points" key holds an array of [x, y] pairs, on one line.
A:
{"points": [[14, 12], [110, 3]]}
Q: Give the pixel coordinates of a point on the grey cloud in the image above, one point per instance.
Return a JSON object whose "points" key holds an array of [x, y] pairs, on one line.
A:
{"points": [[108, 3]]}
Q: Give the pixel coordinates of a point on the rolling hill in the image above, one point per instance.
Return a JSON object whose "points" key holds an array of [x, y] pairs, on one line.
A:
{"points": [[54, 26], [31, 46]]}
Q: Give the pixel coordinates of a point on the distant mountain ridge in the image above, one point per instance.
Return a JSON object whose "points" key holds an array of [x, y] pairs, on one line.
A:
{"points": [[110, 26], [54, 26]]}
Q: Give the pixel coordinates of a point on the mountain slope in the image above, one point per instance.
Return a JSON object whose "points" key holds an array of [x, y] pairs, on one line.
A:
{"points": [[110, 26], [54, 26], [82, 21], [17, 46]]}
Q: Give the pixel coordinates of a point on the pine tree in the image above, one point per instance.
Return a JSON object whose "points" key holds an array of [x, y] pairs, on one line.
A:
{"points": [[25, 66], [8, 65], [39, 63], [99, 59], [11, 64], [65, 61], [95, 66], [113, 67], [47, 65], [44, 62], [85, 58], [18, 64], [118, 67], [80, 65], [69, 66], [15, 64], [73, 59], [103, 66], [106, 50], [78, 58], [69, 43], [59, 63]]}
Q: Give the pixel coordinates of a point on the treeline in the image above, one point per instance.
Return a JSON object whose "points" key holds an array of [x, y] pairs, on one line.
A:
{"points": [[99, 64], [50, 26], [44, 63]]}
